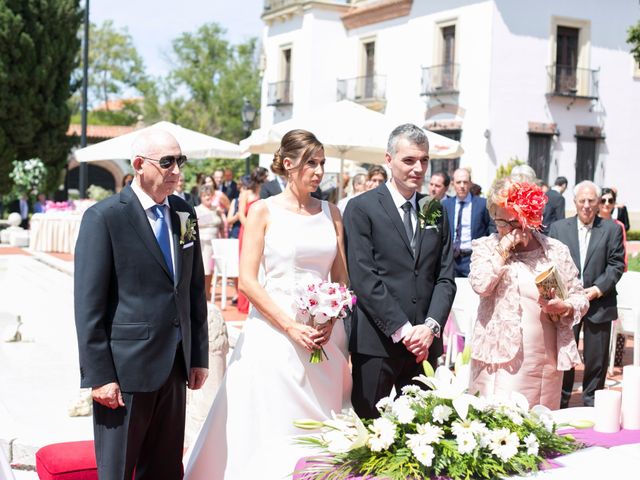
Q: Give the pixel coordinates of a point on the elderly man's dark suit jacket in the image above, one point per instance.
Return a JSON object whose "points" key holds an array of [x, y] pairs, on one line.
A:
{"points": [[603, 267], [553, 210], [392, 284], [604, 262], [127, 306]]}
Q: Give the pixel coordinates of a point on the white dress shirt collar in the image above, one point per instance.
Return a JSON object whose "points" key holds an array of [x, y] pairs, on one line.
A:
{"points": [[397, 197], [146, 201]]}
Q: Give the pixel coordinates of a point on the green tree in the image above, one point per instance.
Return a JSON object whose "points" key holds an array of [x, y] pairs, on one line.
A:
{"points": [[633, 38], [38, 51], [504, 171], [116, 70], [208, 82]]}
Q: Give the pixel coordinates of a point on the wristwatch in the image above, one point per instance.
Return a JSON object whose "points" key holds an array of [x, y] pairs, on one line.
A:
{"points": [[434, 326]]}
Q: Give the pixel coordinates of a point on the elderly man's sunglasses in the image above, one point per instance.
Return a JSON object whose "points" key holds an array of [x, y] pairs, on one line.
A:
{"points": [[168, 160]]}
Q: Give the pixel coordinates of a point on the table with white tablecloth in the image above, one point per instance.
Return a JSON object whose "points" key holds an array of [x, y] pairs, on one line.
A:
{"points": [[54, 231]]}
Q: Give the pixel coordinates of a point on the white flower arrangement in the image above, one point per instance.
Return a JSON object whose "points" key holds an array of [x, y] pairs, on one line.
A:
{"points": [[439, 433]]}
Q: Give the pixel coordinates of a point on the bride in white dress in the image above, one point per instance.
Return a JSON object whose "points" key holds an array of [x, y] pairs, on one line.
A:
{"points": [[249, 432]]}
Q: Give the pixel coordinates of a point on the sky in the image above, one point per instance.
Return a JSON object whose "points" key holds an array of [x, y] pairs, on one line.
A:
{"points": [[154, 23]]}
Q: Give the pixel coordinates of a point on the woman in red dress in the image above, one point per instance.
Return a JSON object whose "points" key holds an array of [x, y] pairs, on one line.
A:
{"points": [[247, 198]]}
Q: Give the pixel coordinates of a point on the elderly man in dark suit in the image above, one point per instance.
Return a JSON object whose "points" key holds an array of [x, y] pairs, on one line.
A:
{"points": [[554, 210], [141, 316], [597, 250], [401, 269], [468, 219]]}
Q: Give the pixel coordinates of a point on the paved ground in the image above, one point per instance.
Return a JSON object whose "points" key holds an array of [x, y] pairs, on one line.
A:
{"points": [[39, 375]]}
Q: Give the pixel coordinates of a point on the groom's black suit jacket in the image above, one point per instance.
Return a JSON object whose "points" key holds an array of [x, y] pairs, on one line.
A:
{"points": [[127, 306], [391, 284]]}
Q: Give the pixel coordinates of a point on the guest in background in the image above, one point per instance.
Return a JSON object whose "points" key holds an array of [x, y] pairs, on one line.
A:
{"points": [[220, 200], [248, 198], [555, 208], [41, 204], [195, 190], [233, 221], [229, 187], [211, 225], [620, 212], [468, 220], [376, 176], [22, 206], [179, 191], [218, 177], [438, 185], [607, 205], [126, 180], [597, 250], [521, 341], [523, 173], [475, 189], [358, 184]]}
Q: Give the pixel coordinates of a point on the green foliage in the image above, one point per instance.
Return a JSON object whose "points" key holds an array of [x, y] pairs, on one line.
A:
{"points": [[504, 171], [634, 263], [210, 165], [207, 84], [633, 39], [97, 193], [633, 235], [38, 46]]}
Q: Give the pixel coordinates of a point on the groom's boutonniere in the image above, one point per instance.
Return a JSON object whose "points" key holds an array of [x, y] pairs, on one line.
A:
{"points": [[430, 213], [187, 227]]}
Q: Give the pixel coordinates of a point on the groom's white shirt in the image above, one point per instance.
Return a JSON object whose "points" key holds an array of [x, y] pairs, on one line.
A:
{"points": [[399, 201]]}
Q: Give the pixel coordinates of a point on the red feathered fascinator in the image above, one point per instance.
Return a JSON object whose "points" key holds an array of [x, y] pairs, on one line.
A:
{"points": [[526, 201]]}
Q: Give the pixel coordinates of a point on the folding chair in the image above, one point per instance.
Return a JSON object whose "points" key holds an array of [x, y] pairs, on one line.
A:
{"points": [[226, 259]]}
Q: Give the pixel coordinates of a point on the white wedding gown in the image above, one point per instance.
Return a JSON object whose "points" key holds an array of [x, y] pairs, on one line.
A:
{"points": [[249, 432]]}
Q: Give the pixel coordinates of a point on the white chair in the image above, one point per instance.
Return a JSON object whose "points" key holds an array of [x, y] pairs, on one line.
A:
{"points": [[226, 265], [463, 313], [628, 322]]}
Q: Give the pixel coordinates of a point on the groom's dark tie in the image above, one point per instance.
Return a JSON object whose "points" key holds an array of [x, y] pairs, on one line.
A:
{"points": [[458, 238], [161, 231], [408, 224]]}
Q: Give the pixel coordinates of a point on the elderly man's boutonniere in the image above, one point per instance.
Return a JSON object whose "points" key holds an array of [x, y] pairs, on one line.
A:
{"points": [[187, 227], [430, 213]]}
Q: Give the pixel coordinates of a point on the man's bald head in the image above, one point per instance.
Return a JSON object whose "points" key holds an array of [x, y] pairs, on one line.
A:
{"points": [[152, 141]]}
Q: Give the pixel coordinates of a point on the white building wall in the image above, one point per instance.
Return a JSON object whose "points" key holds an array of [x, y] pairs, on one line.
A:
{"points": [[503, 49]]}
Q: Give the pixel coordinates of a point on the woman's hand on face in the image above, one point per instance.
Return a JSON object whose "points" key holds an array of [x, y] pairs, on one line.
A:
{"points": [[303, 335], [515, 237]]}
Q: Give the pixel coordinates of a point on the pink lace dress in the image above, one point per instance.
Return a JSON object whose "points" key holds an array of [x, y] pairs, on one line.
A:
{"points": [[516, 346]]}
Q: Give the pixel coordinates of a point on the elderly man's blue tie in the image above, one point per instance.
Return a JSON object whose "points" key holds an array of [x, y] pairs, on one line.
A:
{"points": [[161, 231]]}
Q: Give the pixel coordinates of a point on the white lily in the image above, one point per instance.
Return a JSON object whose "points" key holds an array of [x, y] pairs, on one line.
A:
{"points": [[444, 383], [184, 216]]}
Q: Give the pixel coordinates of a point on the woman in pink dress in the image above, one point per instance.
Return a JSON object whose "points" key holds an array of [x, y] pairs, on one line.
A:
{"points": [[521, 341], [247, 198]]}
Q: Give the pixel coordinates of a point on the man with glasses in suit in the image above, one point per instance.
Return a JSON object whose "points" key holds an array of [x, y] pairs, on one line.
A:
{"points": [[141, 315]]}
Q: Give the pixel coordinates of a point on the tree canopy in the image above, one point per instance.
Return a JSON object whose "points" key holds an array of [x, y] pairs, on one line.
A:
{"points": [[38, 46], [633, 38]]}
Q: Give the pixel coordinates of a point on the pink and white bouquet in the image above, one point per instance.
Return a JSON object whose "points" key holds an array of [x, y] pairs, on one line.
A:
{"points": [[320, 302]]}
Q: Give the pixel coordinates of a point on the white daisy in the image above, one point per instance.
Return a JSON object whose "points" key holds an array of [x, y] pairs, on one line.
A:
{"points": [[504, 443], [383, 434], [424, 454], [431, 433], [466, 442], [441, 413], [402, 410], [384, 404], [531, 442]]}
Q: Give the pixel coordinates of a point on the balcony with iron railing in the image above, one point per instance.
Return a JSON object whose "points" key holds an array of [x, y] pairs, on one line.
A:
{"points": [[440, 79], [280, 93], [368, 90], [567, 81]]}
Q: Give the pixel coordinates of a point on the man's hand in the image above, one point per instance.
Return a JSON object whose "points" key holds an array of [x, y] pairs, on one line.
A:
{"points": [[418, 341], [197, 377], [108, 395], [592, 293]]}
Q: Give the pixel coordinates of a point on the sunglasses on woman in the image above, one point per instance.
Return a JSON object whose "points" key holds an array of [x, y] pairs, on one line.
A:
{"points": [[167, 161], [605, 201]]}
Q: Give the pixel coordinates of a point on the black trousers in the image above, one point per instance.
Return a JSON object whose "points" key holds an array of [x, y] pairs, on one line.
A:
{"points": [[373, 378], [146, 435], [462, 266], [596, 337]]}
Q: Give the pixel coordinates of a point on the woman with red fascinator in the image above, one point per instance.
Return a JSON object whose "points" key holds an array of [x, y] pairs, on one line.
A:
{"points": [[522, 341]]}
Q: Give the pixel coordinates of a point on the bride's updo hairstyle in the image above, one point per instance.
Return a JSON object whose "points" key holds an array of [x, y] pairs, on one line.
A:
{"points": [[295, 144]]}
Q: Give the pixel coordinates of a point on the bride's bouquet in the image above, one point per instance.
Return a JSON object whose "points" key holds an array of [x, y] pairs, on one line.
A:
{"points": [[442, 432], [319, 302]]}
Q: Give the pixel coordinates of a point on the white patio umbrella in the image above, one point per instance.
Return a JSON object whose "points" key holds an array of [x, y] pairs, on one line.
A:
{"points": [[348, 131], [193, 144]]}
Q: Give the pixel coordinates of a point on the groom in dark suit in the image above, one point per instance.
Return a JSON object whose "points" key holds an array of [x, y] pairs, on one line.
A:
{"points": [[597, 250], [401, 270], [141, 316]]}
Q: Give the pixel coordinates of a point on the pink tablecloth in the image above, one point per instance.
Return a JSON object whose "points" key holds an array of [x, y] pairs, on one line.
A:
{"points": [[587, 436]]}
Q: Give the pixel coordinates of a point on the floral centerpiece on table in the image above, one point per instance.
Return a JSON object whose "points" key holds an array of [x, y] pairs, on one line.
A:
{"points": [[51, 206], [443, 432], [318, 303]]}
